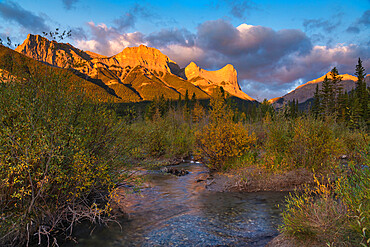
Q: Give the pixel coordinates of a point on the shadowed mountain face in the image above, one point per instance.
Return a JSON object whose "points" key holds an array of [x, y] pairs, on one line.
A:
{"points": [[136, 73], [15, 66], [305, 93]]}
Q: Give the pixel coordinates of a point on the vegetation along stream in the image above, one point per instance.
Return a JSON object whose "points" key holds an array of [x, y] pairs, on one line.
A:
{"points": [[179, 211]]}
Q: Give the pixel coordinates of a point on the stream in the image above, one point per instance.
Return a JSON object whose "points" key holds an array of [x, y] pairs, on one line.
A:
{"points": [[179, 211]]}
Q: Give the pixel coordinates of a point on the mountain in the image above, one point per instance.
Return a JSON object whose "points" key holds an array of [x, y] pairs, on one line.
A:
{"points": [[207, 80], [136, 73], [16, 66], [304, 93]]}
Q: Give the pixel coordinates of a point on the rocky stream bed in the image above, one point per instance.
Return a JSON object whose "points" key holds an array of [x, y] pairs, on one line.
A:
{"points": [[188, 210]]}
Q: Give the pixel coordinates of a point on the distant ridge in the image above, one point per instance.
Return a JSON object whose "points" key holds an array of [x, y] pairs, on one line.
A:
{"points": [[136, 73], [305, 92]]}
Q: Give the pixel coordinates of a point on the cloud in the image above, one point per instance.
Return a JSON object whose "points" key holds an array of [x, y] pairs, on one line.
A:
{"points": [[183, 55], [108, 40], [361, 23], [167, 37], [13, 12], [326, 25], [128, 19], [238, 8], [365, 18], [125, 21], [112, 40], [259, 90], [68, 4], [249, 46]]}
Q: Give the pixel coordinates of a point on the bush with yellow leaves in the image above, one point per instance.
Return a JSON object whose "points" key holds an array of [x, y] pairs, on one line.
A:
{"points": [[222, 139]]}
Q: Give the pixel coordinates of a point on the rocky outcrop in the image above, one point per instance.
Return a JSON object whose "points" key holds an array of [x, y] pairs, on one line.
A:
{"points": [[225, 77], [150, 58], [53, 53]]}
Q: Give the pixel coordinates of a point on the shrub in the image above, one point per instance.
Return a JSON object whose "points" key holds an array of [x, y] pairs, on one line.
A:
{"points": [[220, 142], [169, 136], [336, 213], [56, 155], [315, 216], [303, 142]]}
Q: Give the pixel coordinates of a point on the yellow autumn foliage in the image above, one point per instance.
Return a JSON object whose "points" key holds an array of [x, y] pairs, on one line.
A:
{"points": [[219, 142], [222, 139]]}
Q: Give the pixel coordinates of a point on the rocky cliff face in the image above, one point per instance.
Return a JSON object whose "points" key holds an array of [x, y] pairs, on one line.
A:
{"points": [[150, 58], [305, 92], [225, 77], [142, 66], [52, 52], [89, 63]]}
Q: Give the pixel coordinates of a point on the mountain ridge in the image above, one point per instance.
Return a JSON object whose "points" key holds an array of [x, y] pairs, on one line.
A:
{"points": [[305, 92], [132, 73]]}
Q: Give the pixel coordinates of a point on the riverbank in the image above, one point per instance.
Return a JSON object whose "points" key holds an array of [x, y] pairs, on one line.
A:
{"points": [[254, 179]]}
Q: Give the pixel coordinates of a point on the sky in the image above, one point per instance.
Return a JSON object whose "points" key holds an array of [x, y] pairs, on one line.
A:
{"points": [[275, 46]]}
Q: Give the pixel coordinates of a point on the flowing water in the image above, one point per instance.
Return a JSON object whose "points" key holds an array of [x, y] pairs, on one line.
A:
{"points": [[178, 211]]}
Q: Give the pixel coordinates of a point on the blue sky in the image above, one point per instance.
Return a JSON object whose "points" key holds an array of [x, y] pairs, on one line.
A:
{"points": [[274, 45]]}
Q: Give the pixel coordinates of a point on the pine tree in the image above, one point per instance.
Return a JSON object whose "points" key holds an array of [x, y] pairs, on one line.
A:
{"points": [[342, 106], [316, 102], [326, 95], [179, 103], [186, 99], [361, 92], [337, 90], [193, 100]]}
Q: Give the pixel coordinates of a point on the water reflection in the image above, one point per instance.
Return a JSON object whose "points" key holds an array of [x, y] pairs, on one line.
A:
{"points": [[178, 211]]}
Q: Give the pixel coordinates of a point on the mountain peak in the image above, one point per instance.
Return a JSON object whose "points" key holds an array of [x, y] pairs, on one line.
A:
{"points": [[148, 57], [345, 77], [305, 92], [51, 52], [225, 77]]}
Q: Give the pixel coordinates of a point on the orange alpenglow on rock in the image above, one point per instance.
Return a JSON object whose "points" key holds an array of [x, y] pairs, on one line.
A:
{"points": [[136, 73], [225, 77]]}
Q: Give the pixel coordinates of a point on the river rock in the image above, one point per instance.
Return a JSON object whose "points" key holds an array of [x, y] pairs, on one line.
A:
{"points": [[175, 171]]}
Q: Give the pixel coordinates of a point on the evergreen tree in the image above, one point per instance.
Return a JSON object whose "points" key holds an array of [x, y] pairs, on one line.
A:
{"points": [[186, 99], [337, 90], [354, 114], [179, 103], [342, 106], [316, 102], [361, 92], [326, 95], [193, 100]]}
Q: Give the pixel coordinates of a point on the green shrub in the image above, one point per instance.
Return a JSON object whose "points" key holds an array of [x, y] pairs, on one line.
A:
{"points": [[169, 136], [315, 216], [335, 213], [56, 157], [303, 142]]}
